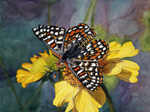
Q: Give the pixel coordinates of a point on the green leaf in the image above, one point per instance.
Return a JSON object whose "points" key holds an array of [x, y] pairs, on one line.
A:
{"points": [[110, 82], [145, 38]]}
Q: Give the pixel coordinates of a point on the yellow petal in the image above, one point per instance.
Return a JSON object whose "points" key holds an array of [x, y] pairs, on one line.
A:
{"points": [[130, 65], [34, 58], [21, 71], [50, 52], [98, 97], [88, 101], [114, 46], [26, 77], [24, 85], [128, 76], [129, 71], [127, 50], [70, 106], [112, 68], [33, 77], [27, 66], [63, 93], [44, 55]]}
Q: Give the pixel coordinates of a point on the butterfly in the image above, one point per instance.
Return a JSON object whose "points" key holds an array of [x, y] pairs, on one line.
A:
{"points": [[77, 50]]}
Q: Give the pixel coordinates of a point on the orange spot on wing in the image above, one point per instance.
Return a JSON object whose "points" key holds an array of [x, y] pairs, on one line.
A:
{"points": [[83, 24], [53, 45], [85, 35], [81, 73], [94, 42], [94, 45], [77, 68], [105, 43], [67, 36], [100, 74], [93, 57], [77, 31], [81, 30], [48, 40], [97, 54], [96, 49], [99, 50], [72, 33], [107, 51]]}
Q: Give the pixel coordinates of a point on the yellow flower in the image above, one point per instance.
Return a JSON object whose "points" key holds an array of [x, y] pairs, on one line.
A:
{"points": [[124, 69], [37, 69], [79, 98]]}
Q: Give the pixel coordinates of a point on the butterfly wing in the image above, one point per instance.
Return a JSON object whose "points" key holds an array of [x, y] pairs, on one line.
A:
{"points": [[52, 37], [95, 50], [87, 72], [79, 34]]}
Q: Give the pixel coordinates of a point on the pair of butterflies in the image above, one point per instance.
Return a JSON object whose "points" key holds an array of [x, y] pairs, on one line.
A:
{"points": [[77, 51]]}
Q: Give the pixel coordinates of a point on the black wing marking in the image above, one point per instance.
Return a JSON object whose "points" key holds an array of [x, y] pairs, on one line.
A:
{"points": [[95, 50], [87, 72], [80, 35], [52, 37]]}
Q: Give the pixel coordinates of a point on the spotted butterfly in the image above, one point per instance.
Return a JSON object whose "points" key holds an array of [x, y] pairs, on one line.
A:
{"points": [[77, 51]]}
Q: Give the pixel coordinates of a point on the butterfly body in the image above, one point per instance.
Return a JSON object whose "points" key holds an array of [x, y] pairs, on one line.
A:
{"points": [[77, 51]]}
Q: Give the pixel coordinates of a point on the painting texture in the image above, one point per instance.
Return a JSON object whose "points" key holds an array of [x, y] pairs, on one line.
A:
{"points": [[113, 20]]}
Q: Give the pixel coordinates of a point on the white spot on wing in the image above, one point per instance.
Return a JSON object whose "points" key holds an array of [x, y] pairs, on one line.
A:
{"points": [[50, 42]]}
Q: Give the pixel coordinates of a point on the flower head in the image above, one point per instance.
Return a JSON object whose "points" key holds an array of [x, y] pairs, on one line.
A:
{"points": [[34, 71], [124, 69], [71, 91], [79, 98]]}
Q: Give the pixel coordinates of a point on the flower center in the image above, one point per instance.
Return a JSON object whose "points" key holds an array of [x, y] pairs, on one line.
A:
{"points": [[39, 66], [71, 78]]}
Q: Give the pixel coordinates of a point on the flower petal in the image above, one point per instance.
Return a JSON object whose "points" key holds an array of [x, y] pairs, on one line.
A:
{"points": [[50, 52], [27, 66], [130, 65], [114, 46], [98, 97], [63, 93], [127, 50], [34, 58], [112, 68], [128, 76], [129, 71], [89, 101], [44, 55], [26, 77]]}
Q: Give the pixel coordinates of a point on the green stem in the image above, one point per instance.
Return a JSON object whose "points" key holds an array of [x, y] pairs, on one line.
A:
{"points": [[37, 90], [108, 98], [9, 81], [53, 84], [49, 13], [88, 12], [93, 14]]}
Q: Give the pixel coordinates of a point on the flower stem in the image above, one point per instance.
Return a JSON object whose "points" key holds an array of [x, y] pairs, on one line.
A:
{"points": [[93, 13], [37, 90], [49, 13], [108, 98], [9, 81], [88, 12]]}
